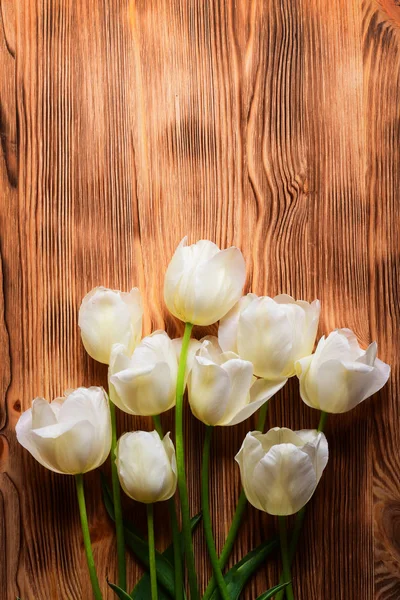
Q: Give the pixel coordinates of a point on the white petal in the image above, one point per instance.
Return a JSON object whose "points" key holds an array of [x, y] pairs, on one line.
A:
{"points": [[219, 285], [260, 392], [209, 389], [147, 392], [107, 317], [240, 373], [42, 414], [25, 438], [285, 479], [144, 466]]}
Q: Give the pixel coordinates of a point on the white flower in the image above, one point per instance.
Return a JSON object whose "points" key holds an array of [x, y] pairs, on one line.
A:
{"points": [[70, 435], [146, 466], [340, 374], [202, 282], [144, 383], [272, 333], [280, 469], [108, 317], [221, 386]]}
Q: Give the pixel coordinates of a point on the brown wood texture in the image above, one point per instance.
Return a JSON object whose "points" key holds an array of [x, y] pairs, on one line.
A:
{"points": [[272, 125]]}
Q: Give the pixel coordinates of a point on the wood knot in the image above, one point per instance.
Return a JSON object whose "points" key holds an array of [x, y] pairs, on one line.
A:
{"points": [[390, 520], [392, 9]]}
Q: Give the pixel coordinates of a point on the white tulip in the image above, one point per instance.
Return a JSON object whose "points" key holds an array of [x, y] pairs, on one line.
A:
{"points": [[108, 317], [280, 469], [70, 435], [222, 389], [144, 383], [340, 374], [202, 282], [272, 333], [146, 466]]}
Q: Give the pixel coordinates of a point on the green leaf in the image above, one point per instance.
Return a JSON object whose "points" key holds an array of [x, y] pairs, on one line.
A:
{"points": [[165, 570], [273, 591], [120, 593], [237, 577], [142, 589]]}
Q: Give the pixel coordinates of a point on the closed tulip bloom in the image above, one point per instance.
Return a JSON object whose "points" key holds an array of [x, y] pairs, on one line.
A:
{"points": [[340, 374], [144, 383], [222, 389], [202, 282], [280, 469], [70, 435], [146, 466], [108, 317], [272, 333]]}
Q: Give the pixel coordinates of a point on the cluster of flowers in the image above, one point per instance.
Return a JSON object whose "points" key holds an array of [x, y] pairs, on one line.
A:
{"points": [[261, 342]]}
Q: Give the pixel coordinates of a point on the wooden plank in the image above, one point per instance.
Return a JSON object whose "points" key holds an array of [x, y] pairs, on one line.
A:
{"points": [[125, 126]]}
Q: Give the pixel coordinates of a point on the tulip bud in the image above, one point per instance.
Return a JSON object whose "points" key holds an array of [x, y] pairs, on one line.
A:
{"points": [[146, 466], [144, 383], [340, 374], [108, 317], [221, 386], [272, 333], [71, 435], [202, 282], [280, 469]]}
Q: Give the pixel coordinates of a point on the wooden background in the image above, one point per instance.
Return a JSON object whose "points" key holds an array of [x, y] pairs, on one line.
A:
{"points": [[270, 124]]}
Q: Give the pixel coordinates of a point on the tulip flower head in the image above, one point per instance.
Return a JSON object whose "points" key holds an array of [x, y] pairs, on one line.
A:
{"points": [[202, 282], [70, 435], [222, 389], [108, 317], [280, 469], [146, 466], [340, 374], [272, 333], [144, 383]]}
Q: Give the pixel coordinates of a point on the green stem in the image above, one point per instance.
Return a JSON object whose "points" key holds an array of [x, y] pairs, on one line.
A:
{"points": [[119, 524], [237, 517], [180, 462], [152, 552], [86, 537], [285, 557], [175, 530], [205, 505], [298, 525], [158, 426], [262, 415], [322, 421]]}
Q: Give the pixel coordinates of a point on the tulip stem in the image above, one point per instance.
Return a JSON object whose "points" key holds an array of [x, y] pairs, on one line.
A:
{"points": [[175, 530], [285, 557], [180, 462], [205, 505], [119, 524], [298, 525], [322, 421], [152, 552], [237, 517], [86, 537]]}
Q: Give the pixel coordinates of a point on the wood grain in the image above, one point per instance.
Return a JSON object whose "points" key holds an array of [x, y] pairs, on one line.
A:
{"points": [[274, 126]]}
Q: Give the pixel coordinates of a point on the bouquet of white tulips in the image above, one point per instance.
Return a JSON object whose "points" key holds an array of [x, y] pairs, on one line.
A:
{"points": [[261, 343]]}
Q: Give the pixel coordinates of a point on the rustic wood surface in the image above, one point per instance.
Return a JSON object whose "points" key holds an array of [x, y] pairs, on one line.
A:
{"points": [[272, 125]]}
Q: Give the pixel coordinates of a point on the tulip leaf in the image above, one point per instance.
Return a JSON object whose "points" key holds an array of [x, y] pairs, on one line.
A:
{"points": [[119, 592], [142, 589], [273, 591], [139, 546], [237, 577]]}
